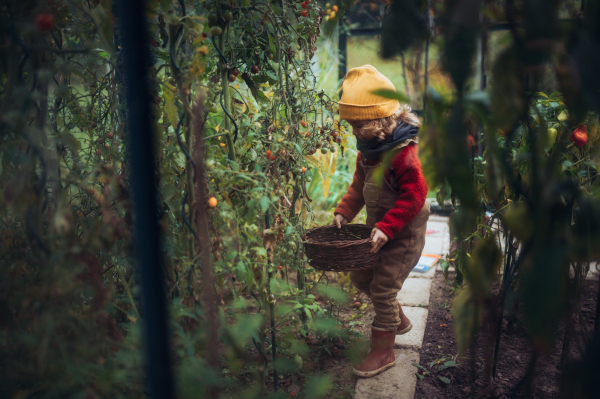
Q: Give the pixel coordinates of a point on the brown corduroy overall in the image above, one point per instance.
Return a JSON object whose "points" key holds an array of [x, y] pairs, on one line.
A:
{"points": [[398, 257]]}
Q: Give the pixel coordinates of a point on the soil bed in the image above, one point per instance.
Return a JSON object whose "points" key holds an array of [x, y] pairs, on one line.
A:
{"points": [[514, 354], [334, 359]]}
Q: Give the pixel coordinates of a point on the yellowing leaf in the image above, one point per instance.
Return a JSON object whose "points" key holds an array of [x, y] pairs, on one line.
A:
{"points": [[171, 107], [226, 197], [327, 164], [563, 116]]}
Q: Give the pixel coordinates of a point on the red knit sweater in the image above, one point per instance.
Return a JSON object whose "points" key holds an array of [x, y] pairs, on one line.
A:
{"points": [[412, 186]]}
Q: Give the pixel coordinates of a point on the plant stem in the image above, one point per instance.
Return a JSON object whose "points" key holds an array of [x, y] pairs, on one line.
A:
{"points": [[597, 319], [226, 99], [272, 311]]}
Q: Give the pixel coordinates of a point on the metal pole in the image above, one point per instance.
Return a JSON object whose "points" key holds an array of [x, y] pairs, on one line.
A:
{"points": [[146, 239], [428, 18], [482, 80], [342, 55]]}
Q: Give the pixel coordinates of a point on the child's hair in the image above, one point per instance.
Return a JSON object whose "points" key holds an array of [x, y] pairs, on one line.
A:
{"points": [[384, 127]]}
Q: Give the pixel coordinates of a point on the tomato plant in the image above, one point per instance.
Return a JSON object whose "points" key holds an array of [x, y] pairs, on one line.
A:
{"points": [[230, 81]]}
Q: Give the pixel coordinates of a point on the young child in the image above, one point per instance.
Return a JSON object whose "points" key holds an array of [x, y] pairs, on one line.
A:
{"points": [[396, 206]]}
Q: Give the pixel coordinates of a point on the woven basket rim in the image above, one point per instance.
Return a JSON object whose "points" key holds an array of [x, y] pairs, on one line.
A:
{"points": [[337, 242]]}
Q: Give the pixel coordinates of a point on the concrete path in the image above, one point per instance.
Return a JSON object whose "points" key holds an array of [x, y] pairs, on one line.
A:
{"points": [[399, 382]]}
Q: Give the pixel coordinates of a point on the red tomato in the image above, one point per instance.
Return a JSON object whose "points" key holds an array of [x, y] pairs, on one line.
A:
{"points": [[470, 142], [305, 13], [44, 22], [268, 154], [579, 136], [303, 124]]}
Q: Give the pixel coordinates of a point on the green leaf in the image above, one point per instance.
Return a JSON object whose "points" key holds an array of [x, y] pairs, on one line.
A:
{"points": [[322, 326], [508, 95], [260, 96], [394, 95], [403, 26], [102, 21], [272, 44], [264, 203], [444, 379], [447, 365], [480, 98], [467, 318], [462, 29], [333, 293], [318, 386], [519, 219], [444, 264], [299, 347], [419, 366]]}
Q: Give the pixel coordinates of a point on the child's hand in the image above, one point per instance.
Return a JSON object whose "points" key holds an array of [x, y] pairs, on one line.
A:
{"points": [[379, 239], [339, 221]]}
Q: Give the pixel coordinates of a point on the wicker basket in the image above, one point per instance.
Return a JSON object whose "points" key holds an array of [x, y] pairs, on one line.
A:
{"points": [[345, 249]]}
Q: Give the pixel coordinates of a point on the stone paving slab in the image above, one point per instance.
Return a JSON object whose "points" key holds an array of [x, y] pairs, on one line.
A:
{"points": [[439, 242], [415, 292], [429, 274], [438, 218], [398, 382], [594, 272], [414, 338]]}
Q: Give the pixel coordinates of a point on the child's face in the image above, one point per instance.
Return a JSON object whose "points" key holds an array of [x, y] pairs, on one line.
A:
{"points": [[356, 129]]}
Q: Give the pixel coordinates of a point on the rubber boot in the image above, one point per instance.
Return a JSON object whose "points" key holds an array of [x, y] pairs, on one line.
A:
{"points": [[405, 326], [381, 357]]}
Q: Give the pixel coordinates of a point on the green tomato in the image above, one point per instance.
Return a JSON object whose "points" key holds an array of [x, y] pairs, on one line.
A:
{"points": [[212, 20], [552, 132], [323, 150]]}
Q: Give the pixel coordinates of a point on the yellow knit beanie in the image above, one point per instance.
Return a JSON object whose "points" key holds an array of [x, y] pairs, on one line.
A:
{"points": [[358, 103]]}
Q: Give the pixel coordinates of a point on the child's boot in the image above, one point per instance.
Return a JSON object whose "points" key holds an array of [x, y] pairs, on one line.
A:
{"points": [[405, 326], [381, 357]]}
